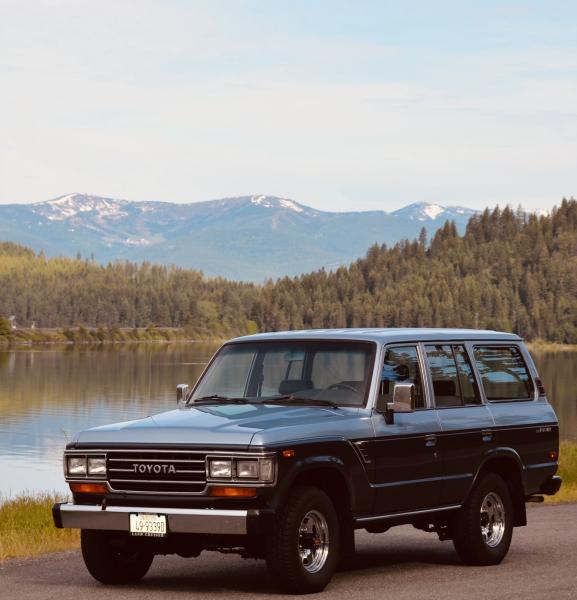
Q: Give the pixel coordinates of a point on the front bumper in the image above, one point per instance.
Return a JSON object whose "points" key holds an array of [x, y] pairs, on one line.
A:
{"points": [[179, 520]]}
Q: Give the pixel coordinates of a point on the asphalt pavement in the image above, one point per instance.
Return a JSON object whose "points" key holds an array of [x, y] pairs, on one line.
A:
{"points": [[400, 564]]}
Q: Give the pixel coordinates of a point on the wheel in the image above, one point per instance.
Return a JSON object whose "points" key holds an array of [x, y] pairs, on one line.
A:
{"points": [[303, 548], [110, 558], [483, 529]]}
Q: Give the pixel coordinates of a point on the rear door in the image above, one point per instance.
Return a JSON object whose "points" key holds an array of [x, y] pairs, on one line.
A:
{"points": [[465, 421], [524, 420], [406, 470]]}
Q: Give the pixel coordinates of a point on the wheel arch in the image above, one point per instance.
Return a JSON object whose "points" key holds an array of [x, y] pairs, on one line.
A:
{"points": [[329, 474], [506, 463]]}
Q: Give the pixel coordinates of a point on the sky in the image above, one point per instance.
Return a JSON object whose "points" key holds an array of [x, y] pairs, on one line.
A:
{"points": [[352, 105]]}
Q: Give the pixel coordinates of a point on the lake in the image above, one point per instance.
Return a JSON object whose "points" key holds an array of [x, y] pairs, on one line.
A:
{"points": [[49, 393]]}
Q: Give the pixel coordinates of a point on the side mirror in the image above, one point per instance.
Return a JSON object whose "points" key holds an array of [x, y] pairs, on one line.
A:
{"points": [[182, 393], [403, 401]]}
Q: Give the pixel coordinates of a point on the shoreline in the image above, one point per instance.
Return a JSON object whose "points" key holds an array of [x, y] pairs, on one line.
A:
{"points": [[98, 335], [545, 346], [137, 335]]}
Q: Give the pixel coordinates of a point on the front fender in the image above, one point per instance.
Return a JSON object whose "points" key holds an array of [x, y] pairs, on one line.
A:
{"points": [[336, 457]]}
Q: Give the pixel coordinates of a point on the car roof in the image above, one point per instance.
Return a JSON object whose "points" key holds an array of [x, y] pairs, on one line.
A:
{"points": [[383, 335]]}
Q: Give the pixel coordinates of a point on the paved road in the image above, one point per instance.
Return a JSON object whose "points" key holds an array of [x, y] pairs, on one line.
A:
{"points": [[401, 564]]}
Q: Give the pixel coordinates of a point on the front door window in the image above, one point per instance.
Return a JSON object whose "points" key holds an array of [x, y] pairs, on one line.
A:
{"points": [[401, 365]]}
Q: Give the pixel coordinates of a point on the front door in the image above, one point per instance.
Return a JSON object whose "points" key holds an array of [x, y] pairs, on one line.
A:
{"points": [[405, 466]]}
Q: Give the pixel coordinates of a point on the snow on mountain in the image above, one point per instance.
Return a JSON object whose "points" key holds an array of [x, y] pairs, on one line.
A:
{"points": [[425, 211], [244, 238], [71, 205], [279, 203]]}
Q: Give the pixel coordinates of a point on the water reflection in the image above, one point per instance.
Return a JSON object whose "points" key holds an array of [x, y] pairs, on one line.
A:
{"points": [[47, 394], [558, 370]]}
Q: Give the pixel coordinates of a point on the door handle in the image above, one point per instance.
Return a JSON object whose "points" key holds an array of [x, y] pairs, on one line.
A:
{"points": [[430, 441], [487, 435]]}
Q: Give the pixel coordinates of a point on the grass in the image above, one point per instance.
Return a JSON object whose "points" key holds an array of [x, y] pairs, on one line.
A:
{"points": [[26, 527]]}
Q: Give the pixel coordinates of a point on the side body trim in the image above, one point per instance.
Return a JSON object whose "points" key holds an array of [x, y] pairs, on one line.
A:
{"points": [[414, 513]]}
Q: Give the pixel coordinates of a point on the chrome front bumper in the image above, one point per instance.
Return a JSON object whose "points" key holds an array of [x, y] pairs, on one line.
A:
{"points": [[180, 520]]}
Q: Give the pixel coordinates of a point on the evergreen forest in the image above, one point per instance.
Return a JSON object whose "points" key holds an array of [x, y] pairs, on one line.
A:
{"points": [[510, 270]]}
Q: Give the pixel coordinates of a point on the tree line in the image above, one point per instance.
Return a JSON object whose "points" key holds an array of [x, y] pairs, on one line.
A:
{"points": [[510, 271]]}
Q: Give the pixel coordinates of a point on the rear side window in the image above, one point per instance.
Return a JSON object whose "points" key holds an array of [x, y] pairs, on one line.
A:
{"points": [[503, 373], [452, 375]]}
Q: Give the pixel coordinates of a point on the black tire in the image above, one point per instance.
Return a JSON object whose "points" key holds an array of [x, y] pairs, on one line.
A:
{"points": [[295, 573], [484, 539], [111, 558]]}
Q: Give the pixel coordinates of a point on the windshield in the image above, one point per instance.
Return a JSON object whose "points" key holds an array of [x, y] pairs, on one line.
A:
{"points": [[335, 372]]}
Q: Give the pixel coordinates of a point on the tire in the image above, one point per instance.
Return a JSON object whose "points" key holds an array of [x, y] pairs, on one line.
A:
{"points": [[483, 528], [303, 547], [110, 559]]}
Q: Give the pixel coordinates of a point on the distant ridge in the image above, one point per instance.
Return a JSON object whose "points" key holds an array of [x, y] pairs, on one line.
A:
{"points": [[244, 238]]}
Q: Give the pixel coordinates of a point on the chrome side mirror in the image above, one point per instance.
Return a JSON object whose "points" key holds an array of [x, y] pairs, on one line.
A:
{"points": [[182, 393], [403, 401]]}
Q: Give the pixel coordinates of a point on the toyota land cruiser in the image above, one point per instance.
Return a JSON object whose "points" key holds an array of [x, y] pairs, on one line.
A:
{"points": [[291, 441]]}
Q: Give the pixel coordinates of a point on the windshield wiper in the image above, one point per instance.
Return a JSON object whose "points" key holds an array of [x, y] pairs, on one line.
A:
{"points": [[218, 399], [290, 399]]}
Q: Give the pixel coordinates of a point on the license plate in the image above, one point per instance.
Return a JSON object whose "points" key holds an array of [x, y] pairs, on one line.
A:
{"points": [[147, 524]]}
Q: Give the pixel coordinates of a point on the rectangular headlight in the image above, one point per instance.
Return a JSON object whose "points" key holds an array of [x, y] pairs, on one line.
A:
{"points": [[220, 468], [76, 465], [247, 468], [96, 465]]}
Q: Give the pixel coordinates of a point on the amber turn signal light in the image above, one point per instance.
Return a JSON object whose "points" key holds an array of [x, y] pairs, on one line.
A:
{"points": [[233, 492], [88, 488]]}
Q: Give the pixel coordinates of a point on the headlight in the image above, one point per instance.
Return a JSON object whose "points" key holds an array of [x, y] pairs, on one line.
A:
{"points": [[96, 465], [247, 468], [239, 469], [261, 469], [266, 469], [220, 468], [76, 465]]}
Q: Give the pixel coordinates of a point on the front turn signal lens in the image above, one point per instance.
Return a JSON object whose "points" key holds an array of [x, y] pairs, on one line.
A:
{"points": [[89, 488], [233, 492]]}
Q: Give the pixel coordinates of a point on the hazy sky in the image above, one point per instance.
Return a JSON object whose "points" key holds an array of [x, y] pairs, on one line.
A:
{"points": [[339, 105]]}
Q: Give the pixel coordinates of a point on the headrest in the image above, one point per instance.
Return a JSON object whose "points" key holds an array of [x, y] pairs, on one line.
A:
{"points": [[444, 387], [290, 386]]}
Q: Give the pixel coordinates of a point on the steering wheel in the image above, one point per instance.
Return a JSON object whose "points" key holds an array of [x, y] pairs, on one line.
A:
{"points": [[343, 386]]}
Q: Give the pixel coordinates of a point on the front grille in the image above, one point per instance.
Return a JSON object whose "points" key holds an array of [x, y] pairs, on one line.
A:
{"points": [[155, 471]]}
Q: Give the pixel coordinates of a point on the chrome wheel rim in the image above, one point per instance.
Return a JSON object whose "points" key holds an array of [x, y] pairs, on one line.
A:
{"points": [[492, 519], [313, 541]]}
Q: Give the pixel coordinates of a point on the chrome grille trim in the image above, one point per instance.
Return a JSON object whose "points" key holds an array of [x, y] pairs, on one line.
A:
{"points": [[184, 477], [161, 460]]}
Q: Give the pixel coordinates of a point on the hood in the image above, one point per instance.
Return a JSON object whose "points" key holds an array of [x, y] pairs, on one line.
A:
{"points": [[227, 424]]}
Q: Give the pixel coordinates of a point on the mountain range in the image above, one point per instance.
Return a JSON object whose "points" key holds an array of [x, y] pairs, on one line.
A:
{"points": [[247, 238]]}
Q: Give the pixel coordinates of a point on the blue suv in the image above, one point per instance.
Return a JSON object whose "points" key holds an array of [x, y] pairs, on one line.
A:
{"points": [[290, 441]]}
